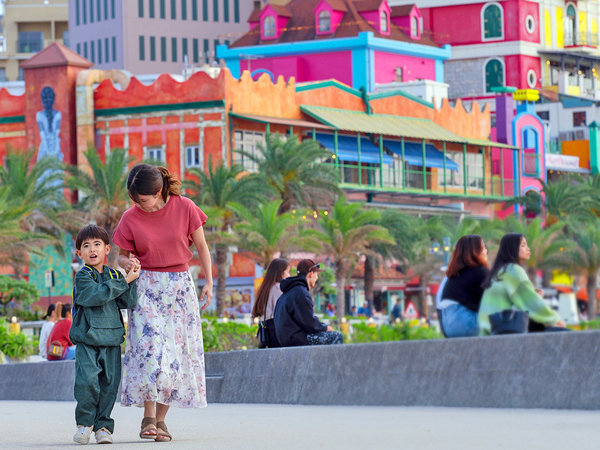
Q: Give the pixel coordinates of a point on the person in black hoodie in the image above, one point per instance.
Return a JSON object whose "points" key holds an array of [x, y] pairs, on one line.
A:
{"points": [[295, 322]]}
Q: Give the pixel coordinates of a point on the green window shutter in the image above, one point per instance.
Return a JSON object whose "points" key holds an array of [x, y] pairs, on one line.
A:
{"points": [[194, 9], [493, 74], [205, 10], [114, 49], [236, 11], [206, 48], [184, 49], [216, 10], [195, 49], [77, 12], [173, 9], [183, 9], [140, 8], [152, 48], [142, 49], [163, 14], [99, 51], [226, 10], [151, 9], [492, 22], [174, 49], [105, 9], [163, 49]]}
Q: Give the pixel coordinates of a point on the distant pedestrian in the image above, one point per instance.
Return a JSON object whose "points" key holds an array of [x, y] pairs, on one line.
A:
{"points": [[295, 322], [59, 344], [49, 321], [396, 311], [97, 330]]}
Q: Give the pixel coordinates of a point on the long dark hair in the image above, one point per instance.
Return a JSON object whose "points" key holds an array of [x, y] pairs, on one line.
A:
{"points": [[466, 254], [144, 179], [274, 275], [508, 253]]}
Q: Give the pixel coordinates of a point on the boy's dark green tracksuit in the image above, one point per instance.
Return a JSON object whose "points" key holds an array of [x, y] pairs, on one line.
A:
{"points": [[98, 331]]}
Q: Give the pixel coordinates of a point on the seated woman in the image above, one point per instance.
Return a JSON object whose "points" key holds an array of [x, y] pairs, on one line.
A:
{"points": [[60, 335], [462, 290], [508, 287]]}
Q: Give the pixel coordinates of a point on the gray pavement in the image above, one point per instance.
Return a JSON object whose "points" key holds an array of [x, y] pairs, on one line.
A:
{"points": [[243, 426]]}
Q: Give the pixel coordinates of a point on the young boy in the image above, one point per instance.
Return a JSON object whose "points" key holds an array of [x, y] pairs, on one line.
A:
{"points": [[98, 331]]}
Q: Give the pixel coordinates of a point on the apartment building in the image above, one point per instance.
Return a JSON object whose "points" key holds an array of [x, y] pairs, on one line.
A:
{"points": [[27, 27], [155, 36]]}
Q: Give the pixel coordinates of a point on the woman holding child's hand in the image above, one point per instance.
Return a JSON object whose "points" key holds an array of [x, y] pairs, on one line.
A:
{"points": [[164, 357]]}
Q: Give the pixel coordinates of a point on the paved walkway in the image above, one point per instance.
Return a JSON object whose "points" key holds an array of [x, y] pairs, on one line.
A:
{"points": [[50, 425]]}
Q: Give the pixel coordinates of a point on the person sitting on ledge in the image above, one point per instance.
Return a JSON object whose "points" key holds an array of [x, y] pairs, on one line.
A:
{"points": [[295, 322]]}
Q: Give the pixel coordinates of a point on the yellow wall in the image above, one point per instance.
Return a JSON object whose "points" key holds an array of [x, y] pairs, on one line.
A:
{"points": [[547, 28], [560, 28], [580, 149], [583, 38]]}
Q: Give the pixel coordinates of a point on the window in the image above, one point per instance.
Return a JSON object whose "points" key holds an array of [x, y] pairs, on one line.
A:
{"points": [[236, 11], [383, 22], [152, 48], [30, 41], [494, 74], [154, 154], [194, 9], [216, 43], [456, 178], [65, 38], [163, 13], [531, 78], [184, 49], [99, 51], [106, 53], [183, 9], [579, 119], [324, 22], [85, 50], [2, 74], [216, 10], [205, 10], [151, 9], [93, 51], [105, 9], [247, 141], [414, 27], [174, 49], [530, 158], [226, 10], [114, 48], [98, 11], [173, 9], [206, 49], [269, 26], [84, 11], [142, 48], [78, 48], [163, 49], [544, 115], [570, 26], [192, 157], [530, 24], [196, 50], [91, 11], [21, 75], [140, 8], [77, 12], [492, 22], [112, 9]]}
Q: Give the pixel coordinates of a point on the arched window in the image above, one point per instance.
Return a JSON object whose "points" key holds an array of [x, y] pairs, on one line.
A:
{"points": [[571, 26], [324, 21], [492, 22], [494, 74], [269, 26], [414, 27], [383, 22]]}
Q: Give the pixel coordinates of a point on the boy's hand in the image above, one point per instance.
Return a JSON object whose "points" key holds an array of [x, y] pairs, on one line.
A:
{"points": [[133, 273]]}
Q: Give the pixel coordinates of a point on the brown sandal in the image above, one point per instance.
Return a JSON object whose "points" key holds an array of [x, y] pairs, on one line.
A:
{"points": [[148, 426], [162, 434]]}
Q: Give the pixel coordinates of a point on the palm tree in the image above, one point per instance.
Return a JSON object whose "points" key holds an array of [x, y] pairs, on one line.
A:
{"points": [[583, 256], [294, 171], [263, 232], [217, 190], [346, 233], [103, 190]]}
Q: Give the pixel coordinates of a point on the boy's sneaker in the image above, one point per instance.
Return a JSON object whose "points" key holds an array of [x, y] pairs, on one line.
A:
{"points": [[103, 436], [82, 435]]}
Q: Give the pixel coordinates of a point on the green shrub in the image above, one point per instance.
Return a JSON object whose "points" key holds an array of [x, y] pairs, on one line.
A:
{"points": [[362, 333], [14, 345], [225, 336]]}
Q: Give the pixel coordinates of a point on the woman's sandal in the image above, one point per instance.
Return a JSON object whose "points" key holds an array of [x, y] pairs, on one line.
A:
{"points": [[149, 430], [162, 435]]}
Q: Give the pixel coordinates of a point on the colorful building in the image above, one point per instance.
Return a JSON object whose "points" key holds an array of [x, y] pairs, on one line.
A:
{"points": [[359, 43]]}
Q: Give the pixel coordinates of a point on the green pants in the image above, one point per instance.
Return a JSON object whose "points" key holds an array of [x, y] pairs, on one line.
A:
{"points": [[97, 377]]}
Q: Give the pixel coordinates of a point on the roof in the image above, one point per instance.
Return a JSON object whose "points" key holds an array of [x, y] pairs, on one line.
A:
{"points": [[389, 125], [281, 10], [301, 25], [56, 54], [254, 15], [281, 121], [402, 10]]}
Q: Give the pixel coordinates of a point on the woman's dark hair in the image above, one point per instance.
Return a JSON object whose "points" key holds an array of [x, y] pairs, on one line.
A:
{"points": [[274, 275], [144, 179], [49, 311], [508, 253], [66, 309], [466, 254]]}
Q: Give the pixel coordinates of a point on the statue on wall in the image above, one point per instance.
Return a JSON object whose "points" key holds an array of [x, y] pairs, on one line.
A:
{"points": [[48, 121]]}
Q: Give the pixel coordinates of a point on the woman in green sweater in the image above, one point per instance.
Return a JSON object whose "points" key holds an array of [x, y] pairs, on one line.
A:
{"points": [[507, 286]]}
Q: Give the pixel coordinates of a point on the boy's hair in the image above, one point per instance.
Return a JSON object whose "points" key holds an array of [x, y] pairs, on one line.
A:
{"points": [[91, 232]]}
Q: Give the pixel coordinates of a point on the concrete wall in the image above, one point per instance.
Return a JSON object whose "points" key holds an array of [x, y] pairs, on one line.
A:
{"points": [[554, 370]]}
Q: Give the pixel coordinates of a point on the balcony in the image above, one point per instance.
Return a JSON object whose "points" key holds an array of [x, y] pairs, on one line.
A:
{"points": [[581, 40], [29, 45]]}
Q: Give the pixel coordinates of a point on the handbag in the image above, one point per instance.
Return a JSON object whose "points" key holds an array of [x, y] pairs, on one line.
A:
{"points": [[509, 321], [56, 349], [267, 337]]}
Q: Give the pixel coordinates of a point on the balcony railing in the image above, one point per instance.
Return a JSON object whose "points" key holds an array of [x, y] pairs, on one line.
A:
{"points": [[29, 45], [583, 39]]}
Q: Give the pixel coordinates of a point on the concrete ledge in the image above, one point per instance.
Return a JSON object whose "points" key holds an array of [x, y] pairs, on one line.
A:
{"points": [[553, 370]]}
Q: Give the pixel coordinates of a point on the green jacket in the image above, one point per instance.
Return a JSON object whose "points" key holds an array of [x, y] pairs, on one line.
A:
{"points": [[97, 300], [513, 290]]}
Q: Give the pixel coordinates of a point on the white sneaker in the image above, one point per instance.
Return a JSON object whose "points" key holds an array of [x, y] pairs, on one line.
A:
{"points": [[103, 436], [82, 435]]}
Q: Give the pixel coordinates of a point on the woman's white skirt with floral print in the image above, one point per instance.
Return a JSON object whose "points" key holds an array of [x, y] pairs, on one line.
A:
{"points": [[164, 353]]}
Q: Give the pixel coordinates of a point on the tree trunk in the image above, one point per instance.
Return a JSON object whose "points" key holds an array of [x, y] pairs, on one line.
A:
{"points": [[546, 278], [221, 257], [369, 280], [531, 273], [422, 306], [340, 280], [591, 291]]}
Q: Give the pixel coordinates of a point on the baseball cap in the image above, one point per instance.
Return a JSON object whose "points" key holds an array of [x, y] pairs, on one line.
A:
{"points": [[305, 266]]}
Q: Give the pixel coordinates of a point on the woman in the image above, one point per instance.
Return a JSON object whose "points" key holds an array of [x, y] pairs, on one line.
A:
{"points": [[269, 290], [59, 336], [462, 291], [508, 287], [50, 320], [164, 356]]}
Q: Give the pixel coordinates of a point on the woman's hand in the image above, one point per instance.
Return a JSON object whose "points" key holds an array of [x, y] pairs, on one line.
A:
{"points": [[207, 293], [561, 324]]}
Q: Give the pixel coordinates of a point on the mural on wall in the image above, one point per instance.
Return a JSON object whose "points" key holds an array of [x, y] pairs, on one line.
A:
{"points": [[48, 121], [60, 263]]}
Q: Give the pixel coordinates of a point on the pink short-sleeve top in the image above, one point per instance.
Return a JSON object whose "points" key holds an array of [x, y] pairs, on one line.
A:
{"points": [[161, 239]]}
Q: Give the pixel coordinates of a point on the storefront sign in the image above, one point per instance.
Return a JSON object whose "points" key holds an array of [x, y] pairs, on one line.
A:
{"points": [[561, 162]]}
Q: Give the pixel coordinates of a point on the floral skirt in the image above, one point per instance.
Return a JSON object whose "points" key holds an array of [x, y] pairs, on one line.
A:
{"points": [[164, 354]]}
